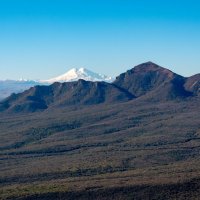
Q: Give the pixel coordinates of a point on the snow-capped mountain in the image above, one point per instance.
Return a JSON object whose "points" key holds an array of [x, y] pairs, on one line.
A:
{"points": [[76, 74], [7, 87]]}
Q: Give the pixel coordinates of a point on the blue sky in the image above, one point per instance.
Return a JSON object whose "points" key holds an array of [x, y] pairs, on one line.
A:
{"points": [[40, 39]]}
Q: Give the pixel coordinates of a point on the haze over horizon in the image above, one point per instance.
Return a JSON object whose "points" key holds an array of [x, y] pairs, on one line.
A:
{"points": [[43, 39]]}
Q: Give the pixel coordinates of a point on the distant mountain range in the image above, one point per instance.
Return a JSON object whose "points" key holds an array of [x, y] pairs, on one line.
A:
{"points": [[147, 81], [8, 87]]}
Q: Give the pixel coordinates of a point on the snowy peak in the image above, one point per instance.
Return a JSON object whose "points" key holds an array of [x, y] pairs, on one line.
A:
{"points": [[7, 87], [76, 74]]}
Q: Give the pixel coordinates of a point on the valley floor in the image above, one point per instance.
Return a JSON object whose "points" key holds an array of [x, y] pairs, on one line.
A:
{"points": [[130, 150]]}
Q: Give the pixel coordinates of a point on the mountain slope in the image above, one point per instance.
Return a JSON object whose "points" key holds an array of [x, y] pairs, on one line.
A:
{"points": [[76, 74], [153, 80], [102, 149], [193, 84], [65, 94]]}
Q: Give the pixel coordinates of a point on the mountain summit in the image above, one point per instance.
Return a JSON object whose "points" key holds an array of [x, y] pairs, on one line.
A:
{"points": [[154, 80], [76, 74]]}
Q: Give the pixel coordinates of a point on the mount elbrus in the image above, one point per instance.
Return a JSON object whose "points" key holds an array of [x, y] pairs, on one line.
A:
{"points": [[135, 138]]}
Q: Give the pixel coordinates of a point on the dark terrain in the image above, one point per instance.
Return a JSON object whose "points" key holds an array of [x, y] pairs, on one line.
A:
{"points": [[137, 138]]}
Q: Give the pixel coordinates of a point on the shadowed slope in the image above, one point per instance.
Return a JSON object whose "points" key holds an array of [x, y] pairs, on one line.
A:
{"points": [[150, 78], [193, 84], [65, 94]]}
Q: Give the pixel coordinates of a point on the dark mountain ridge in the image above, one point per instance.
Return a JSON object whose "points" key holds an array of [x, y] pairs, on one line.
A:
{"points": [[146, 81], [65, 94]]}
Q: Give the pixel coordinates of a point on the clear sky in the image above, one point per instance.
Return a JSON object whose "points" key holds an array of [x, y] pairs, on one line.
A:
{"points": [[40, 39]]}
